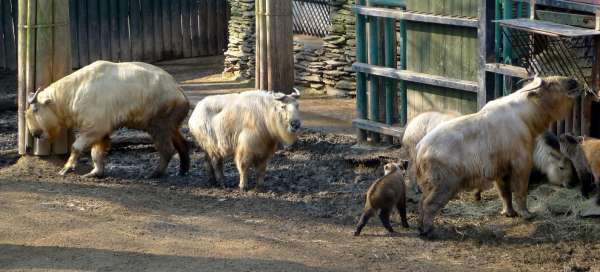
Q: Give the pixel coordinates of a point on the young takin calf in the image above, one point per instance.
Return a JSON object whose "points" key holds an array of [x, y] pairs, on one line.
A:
{"points": [[104, 96], [385, 194], [584, 152], [493, 145]]}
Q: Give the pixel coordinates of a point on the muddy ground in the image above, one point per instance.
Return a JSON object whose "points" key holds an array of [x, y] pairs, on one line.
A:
{"points": [[303, 222]]}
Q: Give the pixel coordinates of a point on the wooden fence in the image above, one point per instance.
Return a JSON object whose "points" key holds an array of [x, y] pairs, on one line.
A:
{"points": [[132, 30], [8, 34]]}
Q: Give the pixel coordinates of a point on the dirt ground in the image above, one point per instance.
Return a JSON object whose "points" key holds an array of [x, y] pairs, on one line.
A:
{"points": [[303, 222]]}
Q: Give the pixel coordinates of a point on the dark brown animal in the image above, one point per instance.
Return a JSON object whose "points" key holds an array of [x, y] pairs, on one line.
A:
{"points": [[385, 194]]}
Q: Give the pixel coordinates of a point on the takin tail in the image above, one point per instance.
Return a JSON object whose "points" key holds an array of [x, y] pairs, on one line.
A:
{"points": [[183, 150]]}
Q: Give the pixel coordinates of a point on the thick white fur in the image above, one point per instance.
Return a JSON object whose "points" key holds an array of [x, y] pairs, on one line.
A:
{"points": [[248, 126], [130, 92]]}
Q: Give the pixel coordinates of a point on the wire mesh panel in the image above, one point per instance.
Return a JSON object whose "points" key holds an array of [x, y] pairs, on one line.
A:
{"points": [[548, 55], [312, 17]]}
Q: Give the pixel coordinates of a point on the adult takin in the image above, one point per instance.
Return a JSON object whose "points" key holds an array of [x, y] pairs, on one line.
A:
{"points": [[248, 126], [104, 96], [385, 194], [493, 145]]}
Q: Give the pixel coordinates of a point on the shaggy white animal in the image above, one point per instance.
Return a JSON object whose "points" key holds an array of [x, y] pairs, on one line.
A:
{"points": [[248, 126], [104, 96], [493, 145]]}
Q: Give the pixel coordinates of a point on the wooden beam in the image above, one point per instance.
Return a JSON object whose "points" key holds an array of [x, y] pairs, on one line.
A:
{"points": [[390, 3], [465, 85], [507, 70], [377, 127], [416, 17], [485, 35], [565, 4], [548, 28]]}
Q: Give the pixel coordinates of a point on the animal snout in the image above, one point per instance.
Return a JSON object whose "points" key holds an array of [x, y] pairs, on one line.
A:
{"points": [[37, 133], [295, 124]]}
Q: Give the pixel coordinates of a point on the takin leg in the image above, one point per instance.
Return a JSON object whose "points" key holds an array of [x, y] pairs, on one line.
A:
{"points": [[243, 166], [519, 181], [183, 151], [209, 169], [98, 155], [217, 166], [401, 206], [261, 169], [164, 146], [384, 216], [364, 218], [504, 189], [82, 142]]}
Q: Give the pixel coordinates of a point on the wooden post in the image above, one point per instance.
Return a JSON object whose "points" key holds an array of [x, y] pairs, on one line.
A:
{"points": [[390, 84], [374, 80], [274, 46], [44, 58], [361, 79], [485, 34], [403, 87], [586, 104], [280, 46]]}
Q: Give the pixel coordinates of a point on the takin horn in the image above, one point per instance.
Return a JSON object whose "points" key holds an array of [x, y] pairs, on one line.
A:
{"points": [[295, 94], [33, 97]]}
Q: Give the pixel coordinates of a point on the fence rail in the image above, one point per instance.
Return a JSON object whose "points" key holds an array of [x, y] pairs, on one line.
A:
{"points": [[131, 30], [312, 17]]}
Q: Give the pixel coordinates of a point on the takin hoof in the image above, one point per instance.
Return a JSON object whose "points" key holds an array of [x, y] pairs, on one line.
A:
{"points": [[526, 215], [356, 233], [509, 213], [244, 189], [405, 225], [66, 170], [94, 174], [426, 233], [156, 174]]}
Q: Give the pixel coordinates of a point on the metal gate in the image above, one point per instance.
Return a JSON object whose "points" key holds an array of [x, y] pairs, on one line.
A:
{"points": [[312, 17]]}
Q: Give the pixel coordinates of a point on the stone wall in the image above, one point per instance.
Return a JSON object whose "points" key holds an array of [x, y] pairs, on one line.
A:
{"points": [[325, 69], [239, 57]]}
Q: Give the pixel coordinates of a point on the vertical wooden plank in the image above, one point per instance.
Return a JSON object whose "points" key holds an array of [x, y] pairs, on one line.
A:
{"points": [[74, 22], [194, 28], [221, 27], [158, 35], [185, 28], [577, 117], [203, 25], [135, 25], [147, 31], [124, 36], [43, 60], [10, 38], [114, 30], [166, 29], [176, 34], [485, 34], [211, 27], [61, 63], [82, 33], [261, 45], [3, 63], [94, 30], [280, 46], [104, 19], [21, 77], [374, 80], [361, 79]]}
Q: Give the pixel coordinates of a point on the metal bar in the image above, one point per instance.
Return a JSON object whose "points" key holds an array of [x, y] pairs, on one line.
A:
{"points": [[417, 17], [361, 81], [374, 80], [465, 85]]}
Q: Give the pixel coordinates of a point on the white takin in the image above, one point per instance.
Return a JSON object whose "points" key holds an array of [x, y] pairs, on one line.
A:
{"points": [[547, 159], [104, 96], [493, 145], [248, 126]]}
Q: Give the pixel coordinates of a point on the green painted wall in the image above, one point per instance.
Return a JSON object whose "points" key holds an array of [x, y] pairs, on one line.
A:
{"points": [[442, 50]]}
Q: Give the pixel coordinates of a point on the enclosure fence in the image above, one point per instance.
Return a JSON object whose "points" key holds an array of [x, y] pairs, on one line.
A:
{"points": [[131, 30], [312, 17]]}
